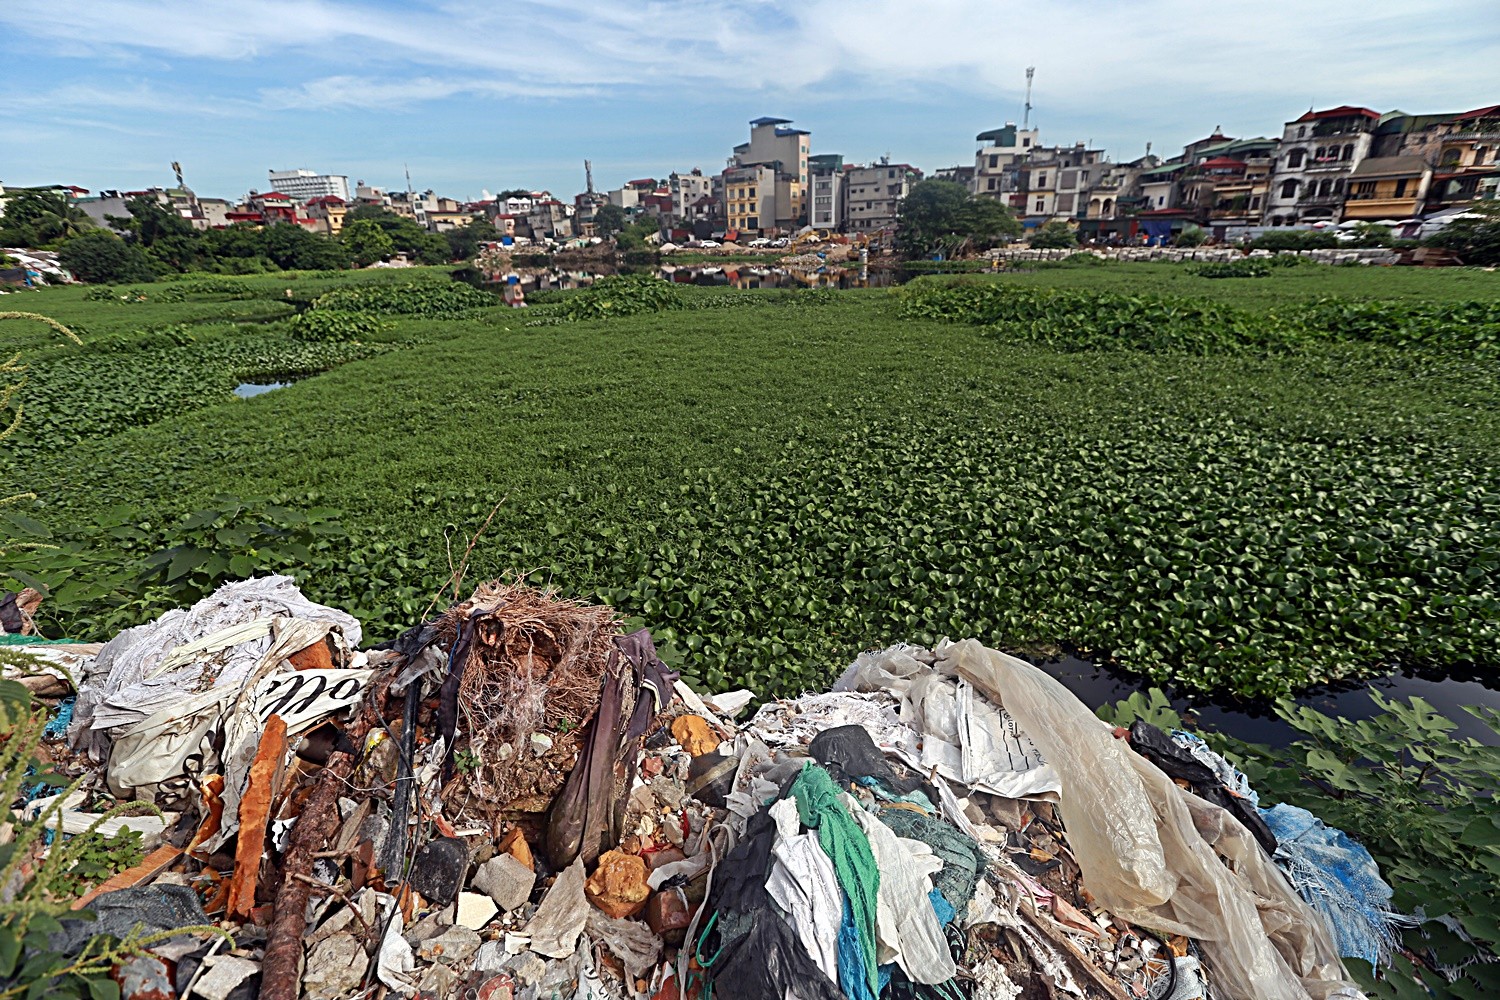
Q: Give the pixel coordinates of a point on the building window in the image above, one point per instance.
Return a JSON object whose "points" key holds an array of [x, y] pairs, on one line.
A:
{"points": [[1401, 188], [1301, 132], [1294, 159], [1161, 200], [752, 223], [1348, 152], [1289, 189], [1025, 143], [992, 184], [1325, 188], [994, 162], [1366, 189], [1041, 180], [1041, 203], [1255, 203]]}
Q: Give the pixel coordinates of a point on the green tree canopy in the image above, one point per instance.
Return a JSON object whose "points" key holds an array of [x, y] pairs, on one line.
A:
{"points": [[463, 242], [42, 217], [1054, 235], [405, 235], [609, 219], [943, 216], [100, 256], [366, 241]]}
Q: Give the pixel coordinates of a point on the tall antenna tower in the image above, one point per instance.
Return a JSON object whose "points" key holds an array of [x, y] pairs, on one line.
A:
{"points": [[588, 175], [408, 183], [1026, 118]]}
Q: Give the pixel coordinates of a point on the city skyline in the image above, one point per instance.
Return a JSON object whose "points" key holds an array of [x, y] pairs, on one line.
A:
{"points": [[471, 100]]}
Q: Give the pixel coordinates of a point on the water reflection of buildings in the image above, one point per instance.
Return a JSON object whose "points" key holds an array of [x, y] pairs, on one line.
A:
{"points": [[741, 276]]}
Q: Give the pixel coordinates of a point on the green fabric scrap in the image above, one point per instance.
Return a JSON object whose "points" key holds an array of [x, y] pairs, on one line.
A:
{"points": [[819, 808]]}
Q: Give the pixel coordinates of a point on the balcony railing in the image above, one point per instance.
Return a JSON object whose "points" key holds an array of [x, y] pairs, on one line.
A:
{"points": [[1325, 165], [1333, 198]]}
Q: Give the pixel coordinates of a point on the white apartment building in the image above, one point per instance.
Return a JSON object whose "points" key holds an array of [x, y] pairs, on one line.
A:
{"points": [[303, 185], [687, 189], [826, 207], [1318, 153]]}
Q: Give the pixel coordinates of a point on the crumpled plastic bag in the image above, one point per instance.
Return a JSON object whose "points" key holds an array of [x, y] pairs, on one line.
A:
{"points": [[633, 943], [1151, 853]]}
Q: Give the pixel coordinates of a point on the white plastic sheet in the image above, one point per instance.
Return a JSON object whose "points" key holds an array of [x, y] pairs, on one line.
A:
{"points": [[1155, 854], [218, 642]]}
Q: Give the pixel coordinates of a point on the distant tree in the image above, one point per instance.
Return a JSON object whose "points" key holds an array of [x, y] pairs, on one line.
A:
{"points": [[100, 256], [46, 216], [514, 193], [1055, 235], [295, 249], [1191, 236], [939, 215], [463, 242], [405, 235], [1476, 241], [609, 219], [366, 241]]}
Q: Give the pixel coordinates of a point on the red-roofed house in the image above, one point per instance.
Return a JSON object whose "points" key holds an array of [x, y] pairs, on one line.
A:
{"points": [[328, 212]]}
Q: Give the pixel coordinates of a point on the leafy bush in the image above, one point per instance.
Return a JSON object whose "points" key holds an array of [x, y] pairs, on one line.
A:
{"points": [[334, 326], [1054, 235], [1246, 267], [621, 295], [1297, 239], [1077, 320], [422, 298], [1191, 236]]}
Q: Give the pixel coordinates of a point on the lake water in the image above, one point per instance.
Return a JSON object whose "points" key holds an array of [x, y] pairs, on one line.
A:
{"points": [[247, 389], [1257, 723], [722, 276]]}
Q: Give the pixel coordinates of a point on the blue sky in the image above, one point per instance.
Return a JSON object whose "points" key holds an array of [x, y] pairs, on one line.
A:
{"points": [[480, 94]]}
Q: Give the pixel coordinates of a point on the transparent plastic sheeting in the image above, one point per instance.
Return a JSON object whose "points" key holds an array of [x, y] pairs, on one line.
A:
{"points": [[1157, 855]]}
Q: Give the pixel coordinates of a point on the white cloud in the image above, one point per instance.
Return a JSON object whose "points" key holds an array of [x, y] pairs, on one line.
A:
{"points": [[1145, 60]]}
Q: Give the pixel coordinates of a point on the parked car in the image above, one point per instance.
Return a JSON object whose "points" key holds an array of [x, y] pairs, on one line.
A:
{"points": [[783, 241], [761, 242], [708, 244]]}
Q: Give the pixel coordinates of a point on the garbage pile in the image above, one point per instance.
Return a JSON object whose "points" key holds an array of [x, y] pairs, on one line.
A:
{"points": [[518, 800]]}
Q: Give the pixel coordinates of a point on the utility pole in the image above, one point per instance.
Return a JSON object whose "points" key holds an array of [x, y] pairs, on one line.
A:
{"points": [[1026, 118], [588, 175]]}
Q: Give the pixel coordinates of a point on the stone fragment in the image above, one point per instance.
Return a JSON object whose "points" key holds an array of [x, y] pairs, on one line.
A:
{"points": [[491, 957], [665, 856], [437, 981], [528, 968], [437, 871], [618, 886], [335, 967], [475, 909], [450, 947], [693, 734], [507, 881]]}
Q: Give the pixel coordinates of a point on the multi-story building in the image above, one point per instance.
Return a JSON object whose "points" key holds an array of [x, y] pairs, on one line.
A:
{"points": [[550, 219], [686, 190], [1318, 152], [785, 150], [749, 197], [328, 210], [1387, 188], [304, 185], [1055, 181], [826, 195], [872, 194], [997, 161]]}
